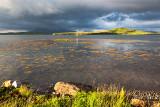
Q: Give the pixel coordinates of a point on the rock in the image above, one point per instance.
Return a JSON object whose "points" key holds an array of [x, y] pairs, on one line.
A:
{"points": [[7, 84], [63, 88], [137, 103], [83, 86], [14, 84], [70, 88], [156, 104], [10, 83]]}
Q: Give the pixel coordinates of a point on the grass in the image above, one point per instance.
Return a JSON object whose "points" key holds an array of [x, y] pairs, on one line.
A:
{"points": [[24, 91], [18, 98]]}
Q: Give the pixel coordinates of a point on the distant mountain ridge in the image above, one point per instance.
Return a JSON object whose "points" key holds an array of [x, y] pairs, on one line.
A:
{"points": [[23, 33], [118, 31]]}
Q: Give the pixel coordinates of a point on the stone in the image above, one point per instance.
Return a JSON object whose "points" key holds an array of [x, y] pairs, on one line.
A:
{"points": [[156, 104], [63, 88], [7, 84], [137, 103], [14, 84], [10, 83]]}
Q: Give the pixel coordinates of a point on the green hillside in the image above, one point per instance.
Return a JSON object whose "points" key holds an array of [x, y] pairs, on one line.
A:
{"points": [[126, 31], [118, 31]]}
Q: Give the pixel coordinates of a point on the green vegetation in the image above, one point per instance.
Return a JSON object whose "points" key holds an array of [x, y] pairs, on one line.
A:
{"points": [[24, 91], [63, 40], [126, 31], [119, 31], [17, 98]]}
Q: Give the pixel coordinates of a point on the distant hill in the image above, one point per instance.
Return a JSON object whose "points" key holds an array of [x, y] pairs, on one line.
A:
{"points": [[118, 31], [23, 33]]}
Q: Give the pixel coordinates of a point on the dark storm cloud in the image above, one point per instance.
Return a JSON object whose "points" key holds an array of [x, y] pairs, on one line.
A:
{"points": [[68, 15], [146, 16]]}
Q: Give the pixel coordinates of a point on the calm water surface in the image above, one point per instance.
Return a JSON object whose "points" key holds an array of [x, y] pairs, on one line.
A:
{"points": [[132, 61]]}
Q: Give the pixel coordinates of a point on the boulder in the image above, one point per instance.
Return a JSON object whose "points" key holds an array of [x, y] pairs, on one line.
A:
{"points": [[138, 103], [63, 88]]}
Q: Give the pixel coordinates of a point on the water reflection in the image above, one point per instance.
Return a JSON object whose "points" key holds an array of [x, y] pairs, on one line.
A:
{"points": [[119, 46], [93, 61]]}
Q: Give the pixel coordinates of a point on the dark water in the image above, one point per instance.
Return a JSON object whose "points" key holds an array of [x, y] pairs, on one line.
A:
{"points": [[131, 61]]}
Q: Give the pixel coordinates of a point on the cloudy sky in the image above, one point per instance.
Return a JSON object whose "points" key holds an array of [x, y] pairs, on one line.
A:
{"points": [[71, 15]]}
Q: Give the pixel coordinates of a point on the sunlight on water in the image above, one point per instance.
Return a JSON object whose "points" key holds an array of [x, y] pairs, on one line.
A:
{"points": [[122, 47], [47, 60]]}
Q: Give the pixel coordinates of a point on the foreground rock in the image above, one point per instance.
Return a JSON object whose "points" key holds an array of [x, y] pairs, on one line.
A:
{"points": [[9, 83], [156, 104], [138, 103], [64, 88]]}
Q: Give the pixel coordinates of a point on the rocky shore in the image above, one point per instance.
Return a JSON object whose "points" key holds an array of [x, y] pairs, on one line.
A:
{"points": [[134, 98]]}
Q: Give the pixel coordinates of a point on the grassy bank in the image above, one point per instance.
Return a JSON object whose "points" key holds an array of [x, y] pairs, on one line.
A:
{"points": [[23, 97], [104, 96]]}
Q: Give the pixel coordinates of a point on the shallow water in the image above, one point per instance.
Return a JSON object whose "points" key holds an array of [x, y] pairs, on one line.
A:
{"points": [[131, 61]]}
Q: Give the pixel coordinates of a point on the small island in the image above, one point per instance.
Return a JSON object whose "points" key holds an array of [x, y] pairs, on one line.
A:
{"points": [[116, 31]]}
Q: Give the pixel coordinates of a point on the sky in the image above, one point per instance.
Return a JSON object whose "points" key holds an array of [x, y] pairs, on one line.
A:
{"points": [[72, 15]]}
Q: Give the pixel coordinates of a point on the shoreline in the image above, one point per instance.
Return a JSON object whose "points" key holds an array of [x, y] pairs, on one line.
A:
{"points": [[135, 93], [24, 95]]}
